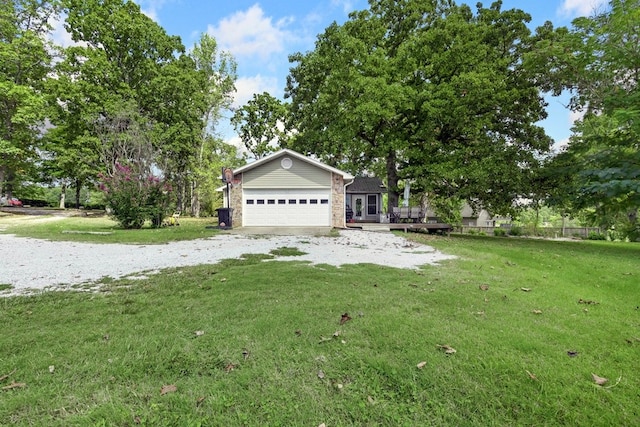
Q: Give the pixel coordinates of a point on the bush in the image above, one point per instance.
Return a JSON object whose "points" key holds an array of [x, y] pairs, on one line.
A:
{"points": [[134, 198], [516, 231], [593, 235], [499, 232]]}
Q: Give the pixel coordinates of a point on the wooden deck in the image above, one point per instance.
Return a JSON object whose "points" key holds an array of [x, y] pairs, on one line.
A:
{"points": [[431, 228]]}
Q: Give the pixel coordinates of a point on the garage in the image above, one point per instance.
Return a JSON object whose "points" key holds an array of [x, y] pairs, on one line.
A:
{"points": [[287, 208], [287, 189]]}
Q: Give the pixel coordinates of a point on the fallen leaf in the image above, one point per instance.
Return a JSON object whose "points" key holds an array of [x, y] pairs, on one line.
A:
{"points": [[421, 365], [337, 333], [52, 368], [599, 380], [525, 289], [447, 349], [537, 311], [479, 313], [170, 388], [14, 385], [321, 374], [199, 400], [323, 339], [322, 425], [370, 400], [533, 377], [137, 420], [587, 301], [199, 333], [230, 367], [484, 287], [224, 279], [298, 332], [572, 353], [345, 318], [245, 354]]}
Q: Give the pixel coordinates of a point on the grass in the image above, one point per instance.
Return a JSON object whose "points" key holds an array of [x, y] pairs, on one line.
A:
{"points": [[247, 342], [102, 230]]}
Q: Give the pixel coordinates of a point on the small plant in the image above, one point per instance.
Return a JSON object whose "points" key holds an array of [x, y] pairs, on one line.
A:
{"points": [[593, 235], [499, 232]]}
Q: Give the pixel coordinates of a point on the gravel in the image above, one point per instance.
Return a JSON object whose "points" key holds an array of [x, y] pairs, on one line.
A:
{"points": [[32, 265]]}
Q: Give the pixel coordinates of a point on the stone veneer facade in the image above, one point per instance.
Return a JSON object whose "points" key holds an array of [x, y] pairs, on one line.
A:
{"points": [[236, 201], [337, 203]]}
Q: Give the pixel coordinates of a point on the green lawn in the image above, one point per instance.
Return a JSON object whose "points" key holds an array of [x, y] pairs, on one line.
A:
{"points": [[248, 342]]}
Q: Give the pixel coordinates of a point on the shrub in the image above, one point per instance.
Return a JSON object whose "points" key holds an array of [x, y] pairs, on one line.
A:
{"points": [[499, 232], [134, 198], [593, 235], [516, 231]]}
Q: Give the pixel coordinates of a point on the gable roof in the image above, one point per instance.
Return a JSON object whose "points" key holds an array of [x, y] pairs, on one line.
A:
{"points": [[294, 154], [364, 184]]}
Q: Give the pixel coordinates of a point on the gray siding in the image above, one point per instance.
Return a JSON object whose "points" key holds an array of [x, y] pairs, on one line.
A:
{"points": [[273, 175]]}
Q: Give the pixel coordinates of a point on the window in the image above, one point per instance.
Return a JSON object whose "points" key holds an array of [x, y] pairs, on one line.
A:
{"points": [[313, 201], [271, 202], [260, 201], [303, 201], [324, 201], [281, 201], [292, 201], [249, 201]]}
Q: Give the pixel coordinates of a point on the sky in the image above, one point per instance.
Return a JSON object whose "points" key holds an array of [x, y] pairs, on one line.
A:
{"points": [[261, 34]]}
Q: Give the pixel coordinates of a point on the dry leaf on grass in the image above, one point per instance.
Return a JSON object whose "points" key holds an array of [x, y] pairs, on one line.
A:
{"points": [[447, 349], [533, 377], [587, 301], [230, 367], [537, 311], [52, 368], [345, 318], [484, 287], [199, 333], [572, 353], [421, 365], [170, 388], [321, 374], [599, 380], [525, 289], [14, 385]]}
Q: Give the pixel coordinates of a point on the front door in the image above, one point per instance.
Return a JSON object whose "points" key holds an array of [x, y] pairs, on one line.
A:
{"points": [[359, 207]]}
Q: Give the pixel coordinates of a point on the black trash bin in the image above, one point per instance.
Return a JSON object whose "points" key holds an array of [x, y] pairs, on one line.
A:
{"points": [[225, 217]]}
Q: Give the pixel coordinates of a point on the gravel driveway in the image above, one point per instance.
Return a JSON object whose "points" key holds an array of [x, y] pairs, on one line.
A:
{"points": [[30, 265]]}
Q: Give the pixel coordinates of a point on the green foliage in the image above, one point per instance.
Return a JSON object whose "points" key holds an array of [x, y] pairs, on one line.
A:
{"points": [[134, 198], [514, 230], [411, 89], [260, 124], [499, 232]]}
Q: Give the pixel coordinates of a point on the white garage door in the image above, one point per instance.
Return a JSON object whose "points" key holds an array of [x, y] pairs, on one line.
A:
{"points": [[286, 208]]}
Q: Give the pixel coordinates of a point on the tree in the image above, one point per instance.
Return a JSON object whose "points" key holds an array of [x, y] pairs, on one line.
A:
{"points": [[218, 71], [260, 124], [427, 91], [602, 161], [24, 64]]}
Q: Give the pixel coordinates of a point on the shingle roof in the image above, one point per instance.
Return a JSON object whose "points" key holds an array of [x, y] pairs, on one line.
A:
{"points": [[366, 185]]}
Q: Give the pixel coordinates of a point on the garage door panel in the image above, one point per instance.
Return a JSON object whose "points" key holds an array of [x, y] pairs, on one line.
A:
{"points": [[286, 208]]}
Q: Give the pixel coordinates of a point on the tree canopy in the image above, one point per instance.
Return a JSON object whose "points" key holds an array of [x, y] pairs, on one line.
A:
{"points": [[426, 91]]}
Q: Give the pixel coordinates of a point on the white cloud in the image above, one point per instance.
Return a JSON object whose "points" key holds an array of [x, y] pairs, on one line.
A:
{"points": [[574, 116], [580, 7], [251, 33], [347, 5], [248, 86]]}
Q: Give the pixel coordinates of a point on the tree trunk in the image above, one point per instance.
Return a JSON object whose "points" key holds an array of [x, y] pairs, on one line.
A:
{"points": [[195, 200], [392, 182], [78, 188], [63, 195]]}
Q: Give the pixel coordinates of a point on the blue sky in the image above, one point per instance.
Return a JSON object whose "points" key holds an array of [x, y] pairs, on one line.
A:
{"points": [[261, 34]]}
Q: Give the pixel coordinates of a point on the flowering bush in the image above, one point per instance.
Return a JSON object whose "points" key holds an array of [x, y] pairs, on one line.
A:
{"points": [[134, 198]]}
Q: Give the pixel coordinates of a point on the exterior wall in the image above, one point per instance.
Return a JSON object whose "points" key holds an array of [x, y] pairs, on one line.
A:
{"points": [[236, 201], [337, 201], [300, 175]]}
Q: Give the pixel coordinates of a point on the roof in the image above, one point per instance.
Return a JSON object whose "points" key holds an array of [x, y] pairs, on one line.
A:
{"points": [[363, 184], [294, 154]]}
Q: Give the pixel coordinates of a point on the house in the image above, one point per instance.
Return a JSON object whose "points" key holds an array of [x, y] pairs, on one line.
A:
{"points": [[364, 198], [287, 189]]}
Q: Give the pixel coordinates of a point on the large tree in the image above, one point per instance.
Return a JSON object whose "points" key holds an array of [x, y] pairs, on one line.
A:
{"points": [[428, 91], [600, 169], [24, 64]]}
